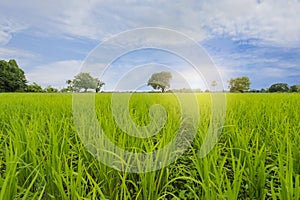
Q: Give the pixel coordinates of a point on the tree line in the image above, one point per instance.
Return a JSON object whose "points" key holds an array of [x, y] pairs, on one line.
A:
{"points": [[242, 84], [12, 79]]}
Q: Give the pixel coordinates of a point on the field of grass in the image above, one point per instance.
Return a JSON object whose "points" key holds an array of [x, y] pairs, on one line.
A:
{"points": [[257, 156]]}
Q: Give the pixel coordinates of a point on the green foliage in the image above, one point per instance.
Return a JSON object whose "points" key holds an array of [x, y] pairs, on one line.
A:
{"points": [[99, 85], [240, 84], [12, 78], [279, 87], [65, 90], [186, 90], [295, 88], [257, 156], [85, 81], [160, 81], [50, 89], [263, 90], [34, 87], [70, 87]]}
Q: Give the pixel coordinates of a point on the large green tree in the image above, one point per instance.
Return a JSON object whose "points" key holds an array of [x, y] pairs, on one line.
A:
{"points": [[85, 81], [12, 78], [295, 88], [160, 81], [239, 84], [279, 87]]}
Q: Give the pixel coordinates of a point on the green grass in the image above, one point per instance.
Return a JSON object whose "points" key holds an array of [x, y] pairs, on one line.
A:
{"points": [[257, 156]]}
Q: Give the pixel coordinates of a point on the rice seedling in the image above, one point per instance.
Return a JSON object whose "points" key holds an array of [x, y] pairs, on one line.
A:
{"points": [[256, 157]]}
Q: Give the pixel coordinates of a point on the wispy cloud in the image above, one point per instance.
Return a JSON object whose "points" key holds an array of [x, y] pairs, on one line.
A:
{"points": [[54, 74], [10, 53], [7, 28], [241, 36], [275, 22]]}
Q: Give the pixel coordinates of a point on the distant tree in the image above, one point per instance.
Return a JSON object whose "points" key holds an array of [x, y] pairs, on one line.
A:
{"points": [[160, 81], [279, 87], [12, 78], [70, 86], [99, 85], [184, 90], [86, 81], [295, 88], [263, 90], [64, 90], [50, 89], [69, 82], [240, 84], [198, 90], [254, 91], [214, 84], [34, 88]]}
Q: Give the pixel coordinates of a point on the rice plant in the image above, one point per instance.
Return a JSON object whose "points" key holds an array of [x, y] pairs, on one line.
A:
{"points": [[257, 155]]}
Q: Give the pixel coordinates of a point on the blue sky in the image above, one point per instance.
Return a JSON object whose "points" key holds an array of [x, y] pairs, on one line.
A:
{"points": [[51, 39]]}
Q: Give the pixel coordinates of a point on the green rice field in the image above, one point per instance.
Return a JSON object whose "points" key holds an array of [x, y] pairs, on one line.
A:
{"points": [[257, 155]]}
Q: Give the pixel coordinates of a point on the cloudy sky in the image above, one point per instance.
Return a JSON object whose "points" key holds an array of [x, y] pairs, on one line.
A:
{"points": [[51, 40]]}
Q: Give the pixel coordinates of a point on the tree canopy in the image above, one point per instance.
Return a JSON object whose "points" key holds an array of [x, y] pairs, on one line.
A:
{"points": [[34, 87], [85, 81], [295, 88], [50, 89], [240, 84], [279, 87], [160, 81], [12, 78]]}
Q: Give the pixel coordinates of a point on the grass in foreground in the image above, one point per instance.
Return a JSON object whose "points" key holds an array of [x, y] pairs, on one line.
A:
{"points": [[257, 156]]}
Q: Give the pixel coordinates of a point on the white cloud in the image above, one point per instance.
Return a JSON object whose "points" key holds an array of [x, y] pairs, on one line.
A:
{"points": [[23, 57], [54, 74], [274, 21], [10, 53], [101, 19], [7, 28], [274, 72]]}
